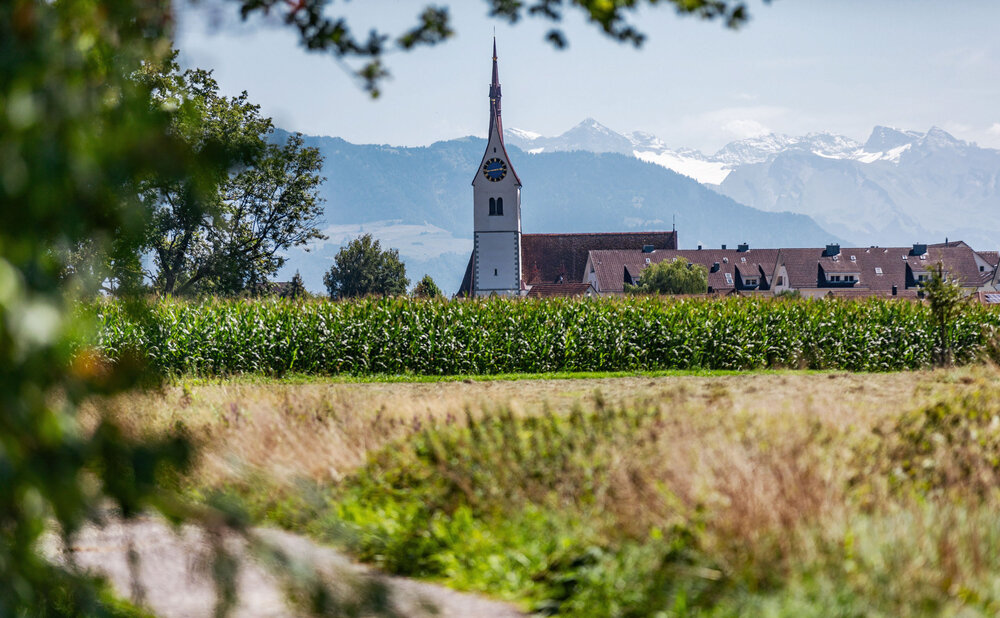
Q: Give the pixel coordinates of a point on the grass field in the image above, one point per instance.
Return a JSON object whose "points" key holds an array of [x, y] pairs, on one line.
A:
{"points": [[780, 493]]}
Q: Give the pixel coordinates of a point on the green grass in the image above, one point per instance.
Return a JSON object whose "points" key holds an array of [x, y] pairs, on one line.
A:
{"points": [[642, 511]]}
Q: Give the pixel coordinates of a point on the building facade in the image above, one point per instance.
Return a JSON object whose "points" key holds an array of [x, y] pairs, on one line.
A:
{"points": [[496, 196]]}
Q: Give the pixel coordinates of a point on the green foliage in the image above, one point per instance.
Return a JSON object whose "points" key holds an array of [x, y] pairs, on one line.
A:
{"points": [[427, 288], [395, 336], [945, 299], [363, 268], [296, 288], [77, 135], [676, 276], [224, 230], [952, 445]]}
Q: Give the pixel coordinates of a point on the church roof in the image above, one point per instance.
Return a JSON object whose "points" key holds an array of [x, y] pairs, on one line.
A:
{"points": [[548, 290], [496, 121], [547, 257]]}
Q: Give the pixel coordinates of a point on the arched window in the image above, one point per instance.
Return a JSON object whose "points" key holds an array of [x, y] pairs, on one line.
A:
{"points": [[499, 205], [493, 206]]}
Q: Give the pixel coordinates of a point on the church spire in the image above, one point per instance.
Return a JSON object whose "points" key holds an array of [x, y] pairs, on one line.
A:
{"points": [[495, 95]]}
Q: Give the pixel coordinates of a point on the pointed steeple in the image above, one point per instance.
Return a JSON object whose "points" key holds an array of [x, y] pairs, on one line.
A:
{"points": [[495, 95]]}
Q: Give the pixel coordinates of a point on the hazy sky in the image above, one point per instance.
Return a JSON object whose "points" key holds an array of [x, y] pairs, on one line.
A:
{"points": [[799, 66]]}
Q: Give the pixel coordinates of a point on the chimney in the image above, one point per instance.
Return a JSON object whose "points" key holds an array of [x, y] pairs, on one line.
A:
{"points": [[831, 250], [743, 247], [699, 247], [648, 248], [918, 249], [723, 247]]}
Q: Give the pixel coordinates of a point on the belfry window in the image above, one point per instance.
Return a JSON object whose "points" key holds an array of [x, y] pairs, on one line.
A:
{"points": [[499, 205], [493, 206]]}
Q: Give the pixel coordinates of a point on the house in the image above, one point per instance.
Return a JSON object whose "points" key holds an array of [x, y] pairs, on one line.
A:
{"points": [[812, 272], [743, 269]]}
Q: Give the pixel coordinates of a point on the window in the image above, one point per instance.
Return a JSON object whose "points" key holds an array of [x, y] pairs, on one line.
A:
{"points": [[982, 269], [923, 277], [780, 281], [848, 277], [647, 260], [494, 272], [729, 278], [878, 270], [854, 258], [499, 205], [743, 259], [751, 282], [493, 206]]}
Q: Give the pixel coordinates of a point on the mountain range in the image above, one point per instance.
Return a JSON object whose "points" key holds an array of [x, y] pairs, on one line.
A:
{"points": [[896, 188], [419, 201]]}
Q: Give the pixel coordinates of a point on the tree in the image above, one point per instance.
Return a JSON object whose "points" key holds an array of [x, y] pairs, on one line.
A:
{"points": [[262, 202], [676, 276], [362, 268], [77, 135], [296, 288], [427, 288], [945, 299]]}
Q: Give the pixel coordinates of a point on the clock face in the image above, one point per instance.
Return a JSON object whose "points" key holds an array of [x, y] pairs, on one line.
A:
{"points": [[494, 170]]}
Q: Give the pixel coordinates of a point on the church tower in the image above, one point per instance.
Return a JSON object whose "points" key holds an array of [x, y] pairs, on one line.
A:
{"points": [[496, 190]]}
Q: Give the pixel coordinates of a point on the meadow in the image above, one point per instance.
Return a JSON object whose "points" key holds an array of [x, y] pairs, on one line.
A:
{"points": [[781, 493]]}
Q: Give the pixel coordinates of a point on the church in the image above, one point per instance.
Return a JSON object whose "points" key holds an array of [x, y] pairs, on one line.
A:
{"points": [[506, 262]]}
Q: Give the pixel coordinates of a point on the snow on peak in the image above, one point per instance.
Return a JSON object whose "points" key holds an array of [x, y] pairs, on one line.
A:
{"points": [[528, 136]]}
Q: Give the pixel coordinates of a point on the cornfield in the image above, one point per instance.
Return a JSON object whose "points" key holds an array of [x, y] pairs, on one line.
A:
{"points": [[492, 336]]}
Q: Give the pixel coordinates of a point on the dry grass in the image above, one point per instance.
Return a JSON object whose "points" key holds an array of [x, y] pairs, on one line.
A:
{"points": [[323, 431]]}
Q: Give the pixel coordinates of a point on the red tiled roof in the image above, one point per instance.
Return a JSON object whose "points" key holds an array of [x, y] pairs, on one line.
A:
{"points": [[880, 267], [546, 257], [609, 266], [547, 290]]}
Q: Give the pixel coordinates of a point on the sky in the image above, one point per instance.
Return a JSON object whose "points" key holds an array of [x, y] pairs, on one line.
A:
{"points": [[799, 66]]}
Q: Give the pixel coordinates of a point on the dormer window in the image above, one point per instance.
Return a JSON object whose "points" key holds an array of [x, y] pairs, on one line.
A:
{"points": [[854, 258], [750, 282], [743, 259]]}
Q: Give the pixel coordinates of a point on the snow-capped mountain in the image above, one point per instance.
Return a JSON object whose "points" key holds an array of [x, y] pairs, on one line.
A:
{"points": [[897, 187], [900, 187]]}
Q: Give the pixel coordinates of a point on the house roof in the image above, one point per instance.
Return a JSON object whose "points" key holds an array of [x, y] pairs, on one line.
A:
{"points": [[546, 257], [839, 264], [609, 266], [548, 290], [880, 267]]}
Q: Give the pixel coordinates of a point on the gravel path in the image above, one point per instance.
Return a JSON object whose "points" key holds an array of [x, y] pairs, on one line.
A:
{"points": [[174, 573]]}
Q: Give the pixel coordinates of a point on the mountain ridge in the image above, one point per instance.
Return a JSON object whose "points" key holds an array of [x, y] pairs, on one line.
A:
{"points": [[419, 198]]}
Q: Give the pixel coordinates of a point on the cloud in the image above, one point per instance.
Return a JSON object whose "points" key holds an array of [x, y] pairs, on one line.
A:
{"points": [[744, 128], [994, 129]]}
